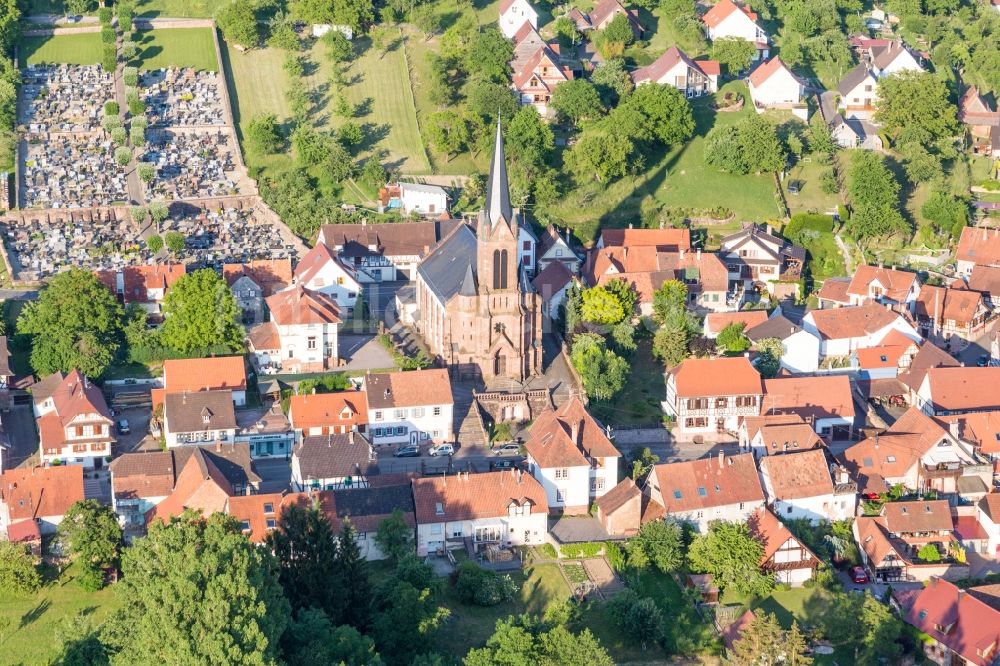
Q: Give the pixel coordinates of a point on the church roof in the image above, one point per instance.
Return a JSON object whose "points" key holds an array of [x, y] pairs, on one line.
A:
{"points": [[446, 269], [498, 193]]}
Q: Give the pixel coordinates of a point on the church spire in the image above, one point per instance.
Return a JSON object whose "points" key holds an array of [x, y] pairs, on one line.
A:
{"points": [[498, 191]]}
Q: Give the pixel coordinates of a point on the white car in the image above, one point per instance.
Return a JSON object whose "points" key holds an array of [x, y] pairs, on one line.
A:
{"points": [[442, 450]]}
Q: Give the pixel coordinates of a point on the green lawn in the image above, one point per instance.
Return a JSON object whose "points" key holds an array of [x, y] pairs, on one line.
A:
{"points": [[639, 401], [39, 620], [178, 8], [177, 47], [811, 197], [79, 49]]}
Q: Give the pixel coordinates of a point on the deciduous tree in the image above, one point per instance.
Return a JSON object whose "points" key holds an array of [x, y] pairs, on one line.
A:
{"points": [[732, 556], [201, 312], [600, 306], [238, 23], [312, 640], [90, 530], [18, 573], [576, 100], [263, 133], [663, 542], [913, 107], [732, 339], [735, 53], [488, 56], [394, 537], [603, 372], [525, 641]]}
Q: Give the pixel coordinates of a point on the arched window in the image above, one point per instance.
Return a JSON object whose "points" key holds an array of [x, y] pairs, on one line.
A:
{"points": [[496, 270], [503, 269]]}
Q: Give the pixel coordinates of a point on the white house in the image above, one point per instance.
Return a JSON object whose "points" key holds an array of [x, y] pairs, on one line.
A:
{"points": [[328, 413], [332, 462], [388, 251], [858, 92], [366, 508], [787, 558], [799, 348], [892, 58], [572, 457], [410, 407], [700, 491], [775, 434], [199, 417], [947, 391], [74, 423], [774, 86], [321, 271], [414, 198], [554, 246], [302, 333], [755, 255], [39, 494], [887, 286], [729, 20], [552, 284], [825, 401], [494, 508], [711, 394], [843, 330], [988, 515], [692, 77], [799, 485], [513, 14]]}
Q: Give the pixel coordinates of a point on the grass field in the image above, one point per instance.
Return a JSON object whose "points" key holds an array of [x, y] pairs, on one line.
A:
{"points": [[39, 621], [81, 49], [177, 47], [811, 197]]}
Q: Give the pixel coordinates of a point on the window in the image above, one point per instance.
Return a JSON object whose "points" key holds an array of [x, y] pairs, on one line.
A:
{"points": [[377, 432], [526, 245], [436, 528], [268, 507], [401, 430], [79, 448], [311, 342], [698, 403], [436, 433], [97, 446], [702, 492], [560, 494], [378, 416], [677, 494], [562, 473], [558, 252], [270, 523], [597, 484], [418, 412], [788, 510], [437, 411], [424, 436], [245, 525], [340, 279], [439, 508], [399, 414], [721, 403]]}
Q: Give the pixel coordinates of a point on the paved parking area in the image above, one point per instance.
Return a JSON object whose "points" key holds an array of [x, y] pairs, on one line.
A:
{"points": [[138, 437], [275, 474], [363, 352]]}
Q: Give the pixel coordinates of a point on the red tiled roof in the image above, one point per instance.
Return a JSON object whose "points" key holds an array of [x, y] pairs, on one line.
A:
{"points": [[798, 475], [251, 509], [709, 482], [471, 496], [766, 70], [980, 246], [968, 528], [664, 239], [303, 306], [717, 321], [917, 516], [819, 397], [264, 337], [835, 290], [271, 275], [25, 531], [413, 388], [894, 452], [722, 9], [341, 408], [960, 389], [852, 322], [551, 442], [896, 284], [980, 428], [205, 374], [772, 533], [960, 621], [37, 492], [708, 377], [313, 262], [200, 486]]}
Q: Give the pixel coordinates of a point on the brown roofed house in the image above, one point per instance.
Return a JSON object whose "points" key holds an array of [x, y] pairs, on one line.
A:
{"points": [[198, 417], [327, 413], [787, 558], [218, 373], [40, 494], [333, 461], [712, 394], [74, 422]]}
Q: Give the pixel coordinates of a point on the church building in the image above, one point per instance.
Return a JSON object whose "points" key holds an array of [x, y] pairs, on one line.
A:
{"points": [[476, 308]]}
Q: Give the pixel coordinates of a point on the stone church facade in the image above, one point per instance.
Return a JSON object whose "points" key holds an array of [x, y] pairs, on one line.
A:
{"points": [[476, 308]]}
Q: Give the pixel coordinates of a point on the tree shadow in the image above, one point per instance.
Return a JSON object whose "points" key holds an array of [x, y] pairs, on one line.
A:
{"points": [[364, 107], [373, 133], [448, 19], [309, 67], [35, 613]]}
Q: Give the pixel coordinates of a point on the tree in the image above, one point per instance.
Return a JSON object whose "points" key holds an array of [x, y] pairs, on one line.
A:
{"points": [[732, 556], [394, 537], [643, 460], [353, 571], [407, 616], [146, 172], [639, 617], [616, 36], [482, 587], [760, 643], [663, 542], [670, 342], [820, 139], [18, 574], [613, 81], [159, 210], [197, 591], [306, 551], [312, 640], [90, 531], [524, 640], [669, 298], [732, 339], [488, 56], [122, 156], [566, 32], [600, 306], [75, 324], [311, 146], [873, 192], [655, 114], [200, 312], [576, 100], [603, 372], [880, 633], [174, 241], [239, 24], [338, 48], [353, 13], [768, 361], [263, 133], [81, 644], [602, 155], [733, 52], [752, 145], [796, 648], [913, 107], [10, 24], [448, 132], [485, 99], [947, 213], [929, 553]]}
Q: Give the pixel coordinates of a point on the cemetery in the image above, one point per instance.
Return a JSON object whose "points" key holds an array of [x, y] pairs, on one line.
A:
{"points": [[64, 98], [72, 171], [183, 97], [227, 235], [192, 165]]}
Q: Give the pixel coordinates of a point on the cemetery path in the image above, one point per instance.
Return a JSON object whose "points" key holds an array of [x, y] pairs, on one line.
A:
{"points": [[132, 175]]}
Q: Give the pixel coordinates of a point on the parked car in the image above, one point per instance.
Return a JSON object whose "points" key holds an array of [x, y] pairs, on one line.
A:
{"points": [[442, 450], [123, 428], [871, 497], [503, 464], [511, 449], [408, 451], [859, 575]]}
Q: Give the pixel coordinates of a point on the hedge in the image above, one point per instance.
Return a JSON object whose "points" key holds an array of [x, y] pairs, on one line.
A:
{"points": [[580, 550], [811, 221]]}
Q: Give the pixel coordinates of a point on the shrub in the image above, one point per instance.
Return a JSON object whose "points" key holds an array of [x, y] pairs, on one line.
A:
{"points": [[129, 49], [581, 550], [108, 35], [136, 107], [18, 573], [137, 135], [174, 241], [109, 58], [109, 123], [118, 135], [90, 578], [125, 25], [154, 243], [111, 108], [104, 15], [140, 121], [130, 76], [929, 553], [481, 587], [615, 555], [123, 156], [639, 617], [548, 551], [146, 172]]}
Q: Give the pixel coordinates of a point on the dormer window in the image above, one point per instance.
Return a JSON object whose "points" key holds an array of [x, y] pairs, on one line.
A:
{"points": [[268, 507], [206, 415], [677, 494], [245, 525], [438, 508]]}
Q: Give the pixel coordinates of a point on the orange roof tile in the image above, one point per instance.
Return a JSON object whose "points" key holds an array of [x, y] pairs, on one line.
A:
{"points": [[200, 486], [835, 290], [271, 275], [891, 454], [766, 70], [851, 322], [797, 475], [817, 397], [896, 283], [205, 374], [341, 408], [253, 510], [37, 492], [717, 321], [772, 534], [961, 389], [964, 624], [708, 377], [663, 239], [917, 516], [551, 440], [303, 306], [941, 303], [980, 428], [980, 246], [709, 482], [472, 496], [412, 388]]}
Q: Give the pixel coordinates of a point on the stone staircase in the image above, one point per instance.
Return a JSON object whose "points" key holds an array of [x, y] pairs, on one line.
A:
{"points": [[468, 424]]}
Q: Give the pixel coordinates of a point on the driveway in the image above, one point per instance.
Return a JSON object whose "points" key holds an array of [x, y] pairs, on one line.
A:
{"points": [[381, 299], [138, 437], [275, 474], [363, 352], [978, 346]]}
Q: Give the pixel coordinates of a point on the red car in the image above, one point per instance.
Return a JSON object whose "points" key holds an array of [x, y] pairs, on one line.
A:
{"points": [[859, 575], [871, 496]]}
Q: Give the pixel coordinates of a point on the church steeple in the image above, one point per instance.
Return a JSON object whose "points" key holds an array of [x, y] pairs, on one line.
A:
{"points": [[498, 190]]}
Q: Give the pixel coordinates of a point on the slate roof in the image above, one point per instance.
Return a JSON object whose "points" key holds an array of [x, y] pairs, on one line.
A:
{"points": [[154, 473], [187, 411], [445, 268], [366, 508], [497, 207], [389, 239], [334, 456], [853, 79]]}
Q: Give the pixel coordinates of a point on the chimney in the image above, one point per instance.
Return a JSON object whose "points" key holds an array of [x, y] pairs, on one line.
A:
{"points": [[955, 428], [629, 225], [218, 446], [722, 458], [682, 253], [575, 432], [699, 254], [661, 224]]}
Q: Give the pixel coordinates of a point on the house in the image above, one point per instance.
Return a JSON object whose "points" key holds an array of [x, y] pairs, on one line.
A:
{"points": [[410, 198], [624, 509], [527, 41], [605, 11], [260, 514], [39, 494], [885, 360], [218, 373], [755, 255], [977, 246], [890, 543], [787, 558], [774, 434], [711, 394], [198, 417], [302, 333], [332, 462], [378, 252], [694, 78], [887, 286], [988, 517], [716, 322], [727, 19], [664, 239], [977, 114], [366, 508], [842, 330], [74, 422], [946, 391], [328, 413], [858, 93], [825, 401], [979, 430], [916, 452], [491, 509], [986, 280], [701, 491], [955, 626], [799, 348], [27, 533], [774, 86], [255, 280], [321, 271], [555, 247], [145, 285], [476, 310], [892, 58], [799, 485], [538, 77], [950, 315], [513, 14], [572, 458], [833, 293], [551, 285], [140, 481], [928, 356], [410, 407], [267, 432], [854, 132], [205, 478]]}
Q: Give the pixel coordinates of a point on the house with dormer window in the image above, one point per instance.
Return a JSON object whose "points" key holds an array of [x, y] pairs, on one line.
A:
{"points": [[956, 626], [328, 413], [570, 455], [199, 417], [74, 422], [412, 407], [332, 462], [538, 77], [887, 286], [785, 557]]}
